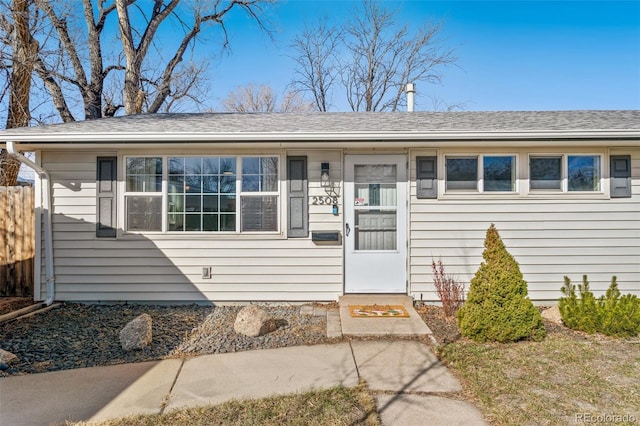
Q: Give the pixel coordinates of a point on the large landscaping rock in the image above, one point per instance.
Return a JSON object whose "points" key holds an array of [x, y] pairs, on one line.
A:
{"points": [[7, 357], [137, 334], [553, 315], [253, 321]]}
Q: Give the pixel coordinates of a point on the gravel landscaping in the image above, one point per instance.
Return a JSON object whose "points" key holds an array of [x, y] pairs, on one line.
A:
{"points": [[79, 335]]}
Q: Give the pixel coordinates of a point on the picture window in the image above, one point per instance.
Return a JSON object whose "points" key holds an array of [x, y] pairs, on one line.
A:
{"points": [[203, 194]]}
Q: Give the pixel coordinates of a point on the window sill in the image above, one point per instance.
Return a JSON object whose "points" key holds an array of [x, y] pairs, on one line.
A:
{"points": [[185, 236], [568, 195], [480, 195], [550, 195]]}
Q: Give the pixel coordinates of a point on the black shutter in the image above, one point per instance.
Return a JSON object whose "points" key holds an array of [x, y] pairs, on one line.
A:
{"points": [[106, 197], [298, 205], [427, 177], [620, 171]]}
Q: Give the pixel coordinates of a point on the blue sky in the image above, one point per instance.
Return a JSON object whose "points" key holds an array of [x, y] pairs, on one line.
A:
{"points": [[512, 55]]}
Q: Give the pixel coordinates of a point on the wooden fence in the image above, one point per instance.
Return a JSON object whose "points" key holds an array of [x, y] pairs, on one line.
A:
{"points": [[16, 241]]}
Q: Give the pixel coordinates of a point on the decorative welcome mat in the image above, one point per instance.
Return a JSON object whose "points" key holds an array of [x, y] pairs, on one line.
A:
{"points": [[378, 311]]}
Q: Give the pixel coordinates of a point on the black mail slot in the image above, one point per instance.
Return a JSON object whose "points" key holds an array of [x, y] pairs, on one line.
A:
{"points": [[325, 236]]}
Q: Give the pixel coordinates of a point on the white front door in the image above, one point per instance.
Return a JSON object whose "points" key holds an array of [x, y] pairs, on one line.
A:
{"points": [[375, 223]]}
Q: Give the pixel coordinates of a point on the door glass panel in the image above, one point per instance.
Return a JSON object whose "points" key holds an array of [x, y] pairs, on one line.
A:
{"points": [[375, 201], [375, 185], [375, 230]]}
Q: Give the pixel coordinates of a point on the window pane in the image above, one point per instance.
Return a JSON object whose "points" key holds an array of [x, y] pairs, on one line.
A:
{"points": [[227, 222], [192, 222], [176, 184], [135, 166], [211, 165], [228, 203], [193, 184], [192, 166], [583, 172], [269, 173], [153, 166], [210, 222], [175, 222], [176, 166], [228, 165], [260, 174], [260, 213], [152, 184], [176, 203], [250, 183], [144, 213], [135, 183], [192, 204], [462, 173], [210, 203], [545, 173], [250, 165], [144, 174], [499, 173], [228, 184], [210, 184]]}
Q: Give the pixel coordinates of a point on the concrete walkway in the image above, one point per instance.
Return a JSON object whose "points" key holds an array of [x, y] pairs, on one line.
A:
{"points": [[410, 385]]}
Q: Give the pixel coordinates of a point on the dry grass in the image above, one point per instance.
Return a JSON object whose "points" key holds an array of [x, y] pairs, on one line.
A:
{"points": [[336, 406], [569, 377]]}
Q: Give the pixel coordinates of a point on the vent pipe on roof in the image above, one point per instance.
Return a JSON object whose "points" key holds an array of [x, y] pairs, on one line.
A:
{"points": [[411, 91]]}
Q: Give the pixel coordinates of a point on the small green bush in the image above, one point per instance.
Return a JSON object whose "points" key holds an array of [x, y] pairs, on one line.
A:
{"points": [[497, 306], [611, 314]]}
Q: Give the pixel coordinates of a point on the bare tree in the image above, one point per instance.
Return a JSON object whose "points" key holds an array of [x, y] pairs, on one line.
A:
{"points": [[135, 52], [76, 59], [375, 57], [250, 98], [24, 50], [295, 102], [317, 66], [86, 79], [76, 62]]}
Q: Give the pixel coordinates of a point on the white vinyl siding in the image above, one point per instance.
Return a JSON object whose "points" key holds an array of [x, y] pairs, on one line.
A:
{"points": [[320, 216], [550, 236], [164, 267]]}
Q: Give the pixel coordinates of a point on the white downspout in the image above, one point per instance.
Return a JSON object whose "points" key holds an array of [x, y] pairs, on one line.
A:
{"points": [[46, 201]]}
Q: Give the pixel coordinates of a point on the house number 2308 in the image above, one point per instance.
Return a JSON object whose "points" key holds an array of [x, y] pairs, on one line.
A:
{"points": [[325, 200]]}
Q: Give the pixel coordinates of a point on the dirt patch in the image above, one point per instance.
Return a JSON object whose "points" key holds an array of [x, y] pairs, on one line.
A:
{"points": [[444, 329]]}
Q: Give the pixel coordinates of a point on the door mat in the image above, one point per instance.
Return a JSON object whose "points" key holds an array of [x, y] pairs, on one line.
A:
{"points": [[378, 311]]}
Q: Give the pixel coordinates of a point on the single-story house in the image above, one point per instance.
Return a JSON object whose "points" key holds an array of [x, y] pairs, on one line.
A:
{"points": [[222, 207]]}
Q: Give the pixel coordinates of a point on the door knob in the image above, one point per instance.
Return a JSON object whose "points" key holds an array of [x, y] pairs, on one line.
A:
{"points": [[348, 229]]}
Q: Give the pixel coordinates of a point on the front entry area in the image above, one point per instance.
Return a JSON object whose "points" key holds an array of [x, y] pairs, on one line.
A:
{"points": [[375, 191]]}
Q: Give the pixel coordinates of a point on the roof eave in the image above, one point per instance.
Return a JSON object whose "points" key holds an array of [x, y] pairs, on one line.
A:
{"points": [[59, 140]]}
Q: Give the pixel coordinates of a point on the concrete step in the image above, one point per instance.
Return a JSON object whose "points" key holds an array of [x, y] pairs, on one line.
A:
{"points": [[412, 326]]}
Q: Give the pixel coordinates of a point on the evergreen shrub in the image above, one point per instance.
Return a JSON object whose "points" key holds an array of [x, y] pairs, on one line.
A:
{"points": [[611, 314], [497, 307]]}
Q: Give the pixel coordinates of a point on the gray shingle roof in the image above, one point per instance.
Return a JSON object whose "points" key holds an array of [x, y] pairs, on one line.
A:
{"points": [[337, 123]]}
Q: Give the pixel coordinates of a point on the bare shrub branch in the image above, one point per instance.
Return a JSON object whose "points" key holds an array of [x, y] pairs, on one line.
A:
{"points": [[450, 291]]}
